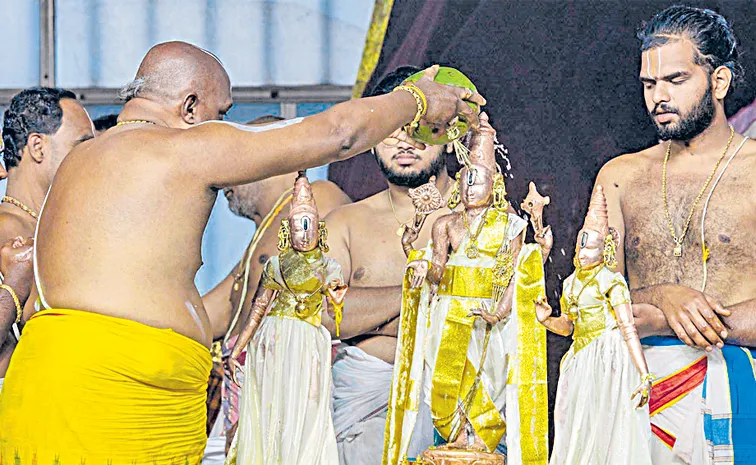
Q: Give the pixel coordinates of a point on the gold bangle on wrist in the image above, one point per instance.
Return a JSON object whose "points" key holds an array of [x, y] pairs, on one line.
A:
{"points": [[422, 105], [648, 377], [19, 310]]}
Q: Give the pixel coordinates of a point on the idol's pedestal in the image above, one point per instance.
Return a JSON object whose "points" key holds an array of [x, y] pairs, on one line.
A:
{"points": [[460, 457]]}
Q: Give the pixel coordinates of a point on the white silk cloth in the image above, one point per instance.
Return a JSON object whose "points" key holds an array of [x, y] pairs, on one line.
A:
{"points": [[284, 412], [361, 385]]}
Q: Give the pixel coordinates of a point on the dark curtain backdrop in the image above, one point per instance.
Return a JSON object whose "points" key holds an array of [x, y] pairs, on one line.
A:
{"points": [[562, 88]]}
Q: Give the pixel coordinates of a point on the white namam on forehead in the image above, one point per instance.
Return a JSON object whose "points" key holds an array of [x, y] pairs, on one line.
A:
{"points": [[653, 63]]}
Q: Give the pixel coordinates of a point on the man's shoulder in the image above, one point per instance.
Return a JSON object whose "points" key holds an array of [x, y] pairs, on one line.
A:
{"points": [[356, 210], [627, 164], [331, 192]]}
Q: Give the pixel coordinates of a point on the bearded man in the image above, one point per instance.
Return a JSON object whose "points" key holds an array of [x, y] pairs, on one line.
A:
{"points": [[685, 210], [365, 238]]}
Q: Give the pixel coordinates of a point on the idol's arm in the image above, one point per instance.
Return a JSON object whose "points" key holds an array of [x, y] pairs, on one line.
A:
{"points": [[624, 314], [440, 236], [260, 307], [560, 325], [626, 325]]}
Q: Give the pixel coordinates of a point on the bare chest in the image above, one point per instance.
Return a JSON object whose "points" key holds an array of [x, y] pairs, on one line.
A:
{"points": [[725, 230], [375, 249]]}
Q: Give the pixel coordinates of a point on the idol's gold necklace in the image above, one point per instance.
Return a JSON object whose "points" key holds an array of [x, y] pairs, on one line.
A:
{"points": [[472, 251], [678, 240]]}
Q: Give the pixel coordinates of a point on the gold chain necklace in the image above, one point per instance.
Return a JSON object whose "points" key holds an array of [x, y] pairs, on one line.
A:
{"points": [[573, 299], [134, 121], [19, 204], [402, 225], [472, 251], [677, 251]]}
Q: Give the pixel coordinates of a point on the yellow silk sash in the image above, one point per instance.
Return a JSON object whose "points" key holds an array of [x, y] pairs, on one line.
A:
{"points": [[467, 281], [401, 389], [454, 378], [530, 371]]}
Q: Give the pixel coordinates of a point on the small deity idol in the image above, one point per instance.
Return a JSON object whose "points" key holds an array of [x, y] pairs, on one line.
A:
{"points": [[285, 412], [461, 328], [594, 419]]}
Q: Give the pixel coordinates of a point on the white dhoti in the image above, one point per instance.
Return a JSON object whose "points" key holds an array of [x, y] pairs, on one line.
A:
{"points": [[215, 450], [361, 385], [703, 405]]}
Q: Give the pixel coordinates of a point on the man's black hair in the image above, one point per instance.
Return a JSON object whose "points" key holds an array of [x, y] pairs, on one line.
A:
{"points": [[709, 31], [103, 123], [34, 110], [392, 80]]}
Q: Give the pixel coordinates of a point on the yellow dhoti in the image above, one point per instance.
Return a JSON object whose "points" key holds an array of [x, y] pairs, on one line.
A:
{"points": [[84, 388]]}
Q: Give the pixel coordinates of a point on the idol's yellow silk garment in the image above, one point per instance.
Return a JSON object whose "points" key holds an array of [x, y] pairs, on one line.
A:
{"points": [[85, 388]]}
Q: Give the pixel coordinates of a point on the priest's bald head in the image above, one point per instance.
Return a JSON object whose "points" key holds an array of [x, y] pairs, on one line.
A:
{"points": [[186, 84]]}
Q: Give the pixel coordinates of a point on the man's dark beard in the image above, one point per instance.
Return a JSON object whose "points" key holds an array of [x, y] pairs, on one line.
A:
{"points": [[696, 122], [413, 179]]}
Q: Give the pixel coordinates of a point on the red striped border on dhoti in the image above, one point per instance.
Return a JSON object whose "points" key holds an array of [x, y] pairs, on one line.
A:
{"points": [[667, 391]]}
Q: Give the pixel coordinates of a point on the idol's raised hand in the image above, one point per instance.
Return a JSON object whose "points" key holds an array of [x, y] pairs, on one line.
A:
{"points": [[418, 273]]}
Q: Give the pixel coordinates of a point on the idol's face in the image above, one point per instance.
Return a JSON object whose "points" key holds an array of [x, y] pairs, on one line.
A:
{"points": [[476, 186], [677, 90], [590, 248], [407, 166], [304, 231]]}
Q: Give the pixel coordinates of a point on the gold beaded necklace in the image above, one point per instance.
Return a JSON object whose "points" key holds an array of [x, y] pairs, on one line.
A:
{"points": [[134, 121], [472, 250], [677, 251], [19, 204]]}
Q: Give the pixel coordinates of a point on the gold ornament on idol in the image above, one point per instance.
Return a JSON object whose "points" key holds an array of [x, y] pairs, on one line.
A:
{"points": [[678, 240], [19, 204], [472, 251]]}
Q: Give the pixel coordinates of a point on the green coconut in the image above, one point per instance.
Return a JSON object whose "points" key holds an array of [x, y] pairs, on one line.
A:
{"points": [[453, 77]]}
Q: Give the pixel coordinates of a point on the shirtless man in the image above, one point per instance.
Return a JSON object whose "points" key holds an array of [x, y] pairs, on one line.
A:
{"points": [[40, 127], [264, 202], [689, 64], [364, 239], [119, 247]]}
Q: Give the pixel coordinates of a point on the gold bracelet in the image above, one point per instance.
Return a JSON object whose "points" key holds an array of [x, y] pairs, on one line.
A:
{"points": [[19, 310], [422, 105], [647, 377]]}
